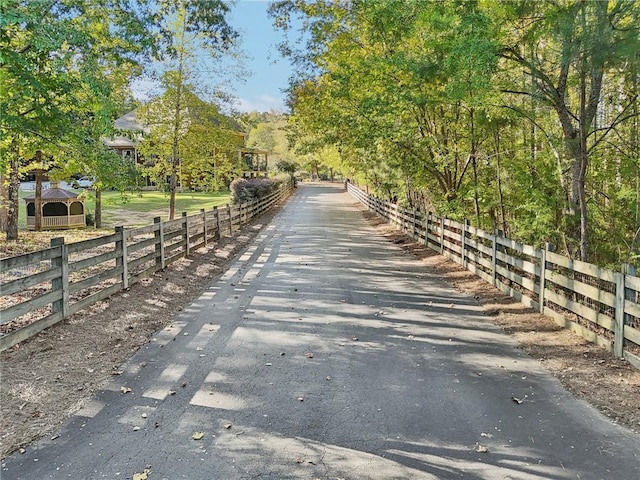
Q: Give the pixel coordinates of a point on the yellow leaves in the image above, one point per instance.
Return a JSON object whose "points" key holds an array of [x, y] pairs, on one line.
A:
{"points": [[198, 435]]}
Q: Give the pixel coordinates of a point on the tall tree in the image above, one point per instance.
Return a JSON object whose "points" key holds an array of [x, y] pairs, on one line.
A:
{"points": [[191, 28]]}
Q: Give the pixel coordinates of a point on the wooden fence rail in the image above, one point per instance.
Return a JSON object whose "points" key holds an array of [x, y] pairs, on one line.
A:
{"points": [[49, 285], [601, 305]]}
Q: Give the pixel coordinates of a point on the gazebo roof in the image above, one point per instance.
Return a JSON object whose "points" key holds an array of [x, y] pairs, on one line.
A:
{"points": [[52, 194]]}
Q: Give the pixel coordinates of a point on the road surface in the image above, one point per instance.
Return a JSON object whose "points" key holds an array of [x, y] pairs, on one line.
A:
{"points": [[327, 352]]}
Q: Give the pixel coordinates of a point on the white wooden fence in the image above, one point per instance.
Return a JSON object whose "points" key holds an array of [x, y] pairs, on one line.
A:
{"points": [[600, 304], [40, 289]]}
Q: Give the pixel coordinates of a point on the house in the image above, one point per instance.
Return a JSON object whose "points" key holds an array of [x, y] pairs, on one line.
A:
{"points": [[132, 131]]}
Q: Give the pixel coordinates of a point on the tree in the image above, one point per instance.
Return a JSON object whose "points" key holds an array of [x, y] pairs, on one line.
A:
{"points": [[190, 27]]}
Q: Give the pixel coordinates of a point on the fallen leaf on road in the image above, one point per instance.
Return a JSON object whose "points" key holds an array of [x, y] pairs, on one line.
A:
{"points": [[172, 392], [301, 399], [199, 349], [481, 448], [125, 389], [144, 415], [135, 429], [517, 400], [141, 476], [268, 364], [308, 355], [198, 435], [227, 426], [355, 339]]}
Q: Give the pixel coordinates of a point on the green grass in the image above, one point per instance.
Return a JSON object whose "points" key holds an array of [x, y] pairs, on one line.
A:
{"points": [[140, 208]]}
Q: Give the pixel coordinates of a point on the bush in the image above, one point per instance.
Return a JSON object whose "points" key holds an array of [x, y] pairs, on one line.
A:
{"points": [[90, 220], [249, 189]]}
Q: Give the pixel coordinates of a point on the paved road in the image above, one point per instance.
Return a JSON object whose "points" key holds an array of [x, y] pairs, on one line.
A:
{"points": [[326, 352]]}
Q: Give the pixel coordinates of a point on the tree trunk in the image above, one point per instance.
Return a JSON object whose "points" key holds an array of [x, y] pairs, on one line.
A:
{"points": [[172, 183], [13, 200], [4, 196], [503, 222], [97, 214], [38, 199]]}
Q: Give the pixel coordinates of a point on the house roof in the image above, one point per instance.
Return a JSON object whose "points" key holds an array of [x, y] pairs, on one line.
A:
{"points": [[129, 122], [119, 142]]}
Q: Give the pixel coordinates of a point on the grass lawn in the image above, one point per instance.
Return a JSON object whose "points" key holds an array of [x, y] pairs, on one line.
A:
{"points": [[140, 208]]}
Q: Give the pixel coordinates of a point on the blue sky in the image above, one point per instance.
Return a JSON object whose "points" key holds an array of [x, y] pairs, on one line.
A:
{"points": [[262, 90], [267, 73]]}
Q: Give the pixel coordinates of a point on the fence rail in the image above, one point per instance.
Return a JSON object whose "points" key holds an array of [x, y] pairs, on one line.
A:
{"points": [[599, 304], [41, 288]]}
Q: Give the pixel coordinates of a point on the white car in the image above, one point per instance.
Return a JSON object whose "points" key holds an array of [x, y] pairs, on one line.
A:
{"points": [[83, 182]]}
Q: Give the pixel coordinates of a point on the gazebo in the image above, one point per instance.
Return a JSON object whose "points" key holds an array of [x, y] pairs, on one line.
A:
{"points": [[60, 209]]}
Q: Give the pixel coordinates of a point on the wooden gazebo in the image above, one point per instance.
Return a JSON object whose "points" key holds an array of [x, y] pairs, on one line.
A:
{"points": [[61, 209]]}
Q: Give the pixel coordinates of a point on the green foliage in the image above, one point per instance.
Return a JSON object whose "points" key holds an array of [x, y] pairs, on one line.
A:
{"points": [[521, 116]]}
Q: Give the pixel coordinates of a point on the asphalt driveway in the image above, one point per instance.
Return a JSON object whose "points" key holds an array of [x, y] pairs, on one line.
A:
{"points": [[327, 352]]}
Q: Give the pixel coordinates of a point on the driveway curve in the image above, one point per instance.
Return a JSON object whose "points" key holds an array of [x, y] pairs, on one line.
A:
{"points": [[327, 352]]}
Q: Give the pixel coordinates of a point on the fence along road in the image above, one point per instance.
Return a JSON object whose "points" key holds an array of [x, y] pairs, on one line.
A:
{"points": [[327, 352], [40, 289], [601, 305]]}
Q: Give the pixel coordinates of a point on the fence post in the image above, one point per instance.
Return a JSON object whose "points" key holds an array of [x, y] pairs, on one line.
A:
{"points": [[216, 213], [442, 235], [620, 319], [62, 282], [159, 234], [121, 244], [463, 242], [618, 339], [204, 225], [543, 276], [631, 271], [415, 216], [230, 221], [185, 235], [494, 248]]}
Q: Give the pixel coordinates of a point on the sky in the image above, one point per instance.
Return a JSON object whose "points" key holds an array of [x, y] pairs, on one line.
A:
{"points": [[262, 90], [266, 72]]}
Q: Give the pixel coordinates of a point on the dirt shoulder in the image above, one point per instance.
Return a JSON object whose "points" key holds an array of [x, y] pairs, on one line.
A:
{"points": [[588, 371], [47, 379]]}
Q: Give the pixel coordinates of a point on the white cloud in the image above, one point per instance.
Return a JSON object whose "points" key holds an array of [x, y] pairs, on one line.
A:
{"points": [[261, 103]]}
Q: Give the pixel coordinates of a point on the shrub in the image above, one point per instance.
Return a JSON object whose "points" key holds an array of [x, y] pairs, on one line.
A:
{"points": [[250, 189]]}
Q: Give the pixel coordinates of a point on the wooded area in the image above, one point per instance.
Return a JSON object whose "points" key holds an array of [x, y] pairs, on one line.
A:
{"points": [[520, 115]]}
